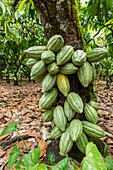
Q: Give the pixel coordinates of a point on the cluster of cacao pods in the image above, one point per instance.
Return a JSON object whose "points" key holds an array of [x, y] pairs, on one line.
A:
{"points": [[52, 63]]}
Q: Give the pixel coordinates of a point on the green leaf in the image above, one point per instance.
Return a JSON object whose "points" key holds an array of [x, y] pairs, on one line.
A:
{"points": [[74, 165], [94, 160], [13, 155], [10, 128], [109, 162], [63, 165], [41, 166], [93, 96], [7, 29], [51, 158], [105, 150], [29, 160], [3, 7], [21, 7]]}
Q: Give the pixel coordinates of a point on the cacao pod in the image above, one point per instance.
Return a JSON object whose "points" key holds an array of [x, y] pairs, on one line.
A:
{"points": [[75, 129], [82, 142], [65, 143], [68, 68], [35, 52], [48, 98], [90, 114], [64, 55], [79, 57], [75, 102], [55, 133], [38, 69], [48, 115], [59, 118], [55, 43], [31, 62], [85, 74], [48, 82], [92, 130], [53, 68], [63, 84], [48, 56], [96, 54], [94, 105], [68, 111]]}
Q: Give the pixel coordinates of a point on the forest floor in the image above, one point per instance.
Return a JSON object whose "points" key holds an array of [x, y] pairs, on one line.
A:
{"points": [[20, 103]]}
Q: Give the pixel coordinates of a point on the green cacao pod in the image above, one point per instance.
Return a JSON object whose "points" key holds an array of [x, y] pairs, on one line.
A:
{"points": [[59, 118], [68, 68], [75, 102], [35, 52], [65, 143], [39, 77], [90, 114], [75, 129], [38, 69], [92, 130], [48, 98], [82, 142], [68, 111], [79, 57], [55, 133], [48, 56], [85, 74], [48, 115], [53, 68], [94, 105], [48, 82], [63, 84], [64, 55], [55, 43], [96, 54], [31, 62]]}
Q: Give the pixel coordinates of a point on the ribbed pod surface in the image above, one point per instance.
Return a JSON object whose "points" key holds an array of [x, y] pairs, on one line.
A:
{"points": [[38, 69], [53, 68], [65, 54], [48, 82], [75, 102], [75, 129], [90, 114], [48, 56], [68, 68], [96, 54], [48, 98], [59, 118], [79, 57], [35, 52], [85, 74], [68, 111], [55, 133], [82, 142], [55, 43], [92, 130], [65, 143]]}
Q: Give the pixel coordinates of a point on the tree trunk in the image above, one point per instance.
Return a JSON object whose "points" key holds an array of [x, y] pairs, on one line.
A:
{"points": [[16, 79], [107, 77], [7, 74], [61, 17]]}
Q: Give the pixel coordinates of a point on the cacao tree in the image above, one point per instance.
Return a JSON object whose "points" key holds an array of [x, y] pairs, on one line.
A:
{"points": [[61, 18]]}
